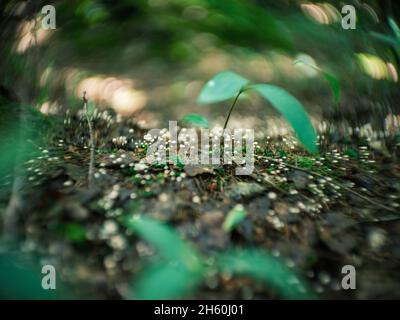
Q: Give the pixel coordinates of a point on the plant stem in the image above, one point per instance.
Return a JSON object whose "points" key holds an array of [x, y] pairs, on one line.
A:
{"points": [[91, 163], [230, 111]]}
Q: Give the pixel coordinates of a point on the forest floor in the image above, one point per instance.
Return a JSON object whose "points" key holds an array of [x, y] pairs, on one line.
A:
{"points": [[318, 213]]}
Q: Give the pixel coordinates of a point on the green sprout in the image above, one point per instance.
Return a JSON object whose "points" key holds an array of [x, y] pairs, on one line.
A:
{"points": [[229, 85]]}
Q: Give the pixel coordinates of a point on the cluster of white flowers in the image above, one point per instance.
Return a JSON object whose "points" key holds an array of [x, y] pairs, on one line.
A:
{"points": [[108, 200], [120, 141]]}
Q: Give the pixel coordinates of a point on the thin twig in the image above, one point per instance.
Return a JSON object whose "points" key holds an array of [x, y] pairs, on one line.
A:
{"points": [[91, 163]]}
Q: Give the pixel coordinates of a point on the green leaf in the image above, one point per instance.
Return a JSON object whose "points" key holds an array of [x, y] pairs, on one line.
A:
{"points": [[395, 27], [19, 126], [176, 277], [234, 217], [335, 86], [196, 119], [221, 87], [178, 161], [352, 153], [166, 281], [385, 38], [21, 278], [74, 232], [333, 81], [165, 240], [304, 162], [272, 272], [293, 112]]}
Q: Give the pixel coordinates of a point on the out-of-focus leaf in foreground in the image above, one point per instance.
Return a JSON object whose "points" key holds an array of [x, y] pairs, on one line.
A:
{"points": [[271, 271], [21, 278], [165, 240], [18, 125], [167, 280], [395, 27], [180, 271]]}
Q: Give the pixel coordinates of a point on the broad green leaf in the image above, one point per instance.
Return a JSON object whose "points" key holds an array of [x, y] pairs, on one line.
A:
{"points": [[273, 272], [166, 281], [165, 240], [293, 111], [395, 27], [234, 217], [333, 81], [196, 119], [221, 87]]}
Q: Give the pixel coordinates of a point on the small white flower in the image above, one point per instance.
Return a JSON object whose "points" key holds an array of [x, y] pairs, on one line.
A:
{"points": [[68, 183], [272, 195], [196, 199], [140, 167]]}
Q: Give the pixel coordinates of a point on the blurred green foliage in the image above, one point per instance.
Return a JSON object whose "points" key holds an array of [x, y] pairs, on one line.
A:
{"points": [[182, 270], [21, 278], [330, 78], [234, 218], [108, 37]]}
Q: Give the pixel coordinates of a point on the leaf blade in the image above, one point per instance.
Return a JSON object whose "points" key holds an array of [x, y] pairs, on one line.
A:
{"points": [[223, 86], [196, 119], [293, 111], [165, 240], [335, 86], [395, 27], [165, 281], [263, 267]]}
